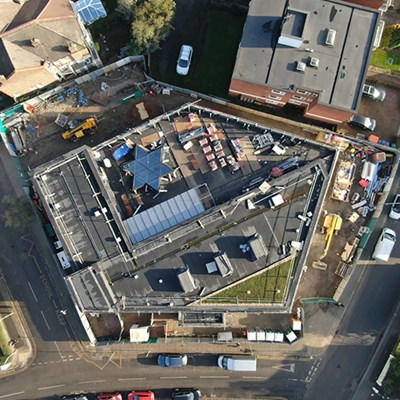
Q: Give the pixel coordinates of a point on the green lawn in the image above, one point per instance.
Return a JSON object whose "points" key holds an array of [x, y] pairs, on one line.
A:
{"points": [[5, 349], [215, 43], [269, 286], [224, 31], [380, 59]]}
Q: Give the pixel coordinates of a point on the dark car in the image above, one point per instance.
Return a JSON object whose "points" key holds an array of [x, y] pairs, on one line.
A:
{"points": [[172, 360], [362, 122], [186, 394]]}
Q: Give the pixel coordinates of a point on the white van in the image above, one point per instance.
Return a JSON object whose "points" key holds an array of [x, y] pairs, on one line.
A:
{"points": [[238, 363], [384, 245], [62, 257]]}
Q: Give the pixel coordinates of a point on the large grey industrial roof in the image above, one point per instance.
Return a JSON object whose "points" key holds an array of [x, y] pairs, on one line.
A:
{"points": [[342, 68], [80, 209]]}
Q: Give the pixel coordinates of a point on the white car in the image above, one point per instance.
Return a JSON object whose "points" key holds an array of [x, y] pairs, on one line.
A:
{"points": [[184, 59], [374, 93], [395, 209]]}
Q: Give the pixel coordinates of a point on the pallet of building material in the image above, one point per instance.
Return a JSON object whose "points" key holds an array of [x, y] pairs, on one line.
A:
{"points": [[341, 269]]}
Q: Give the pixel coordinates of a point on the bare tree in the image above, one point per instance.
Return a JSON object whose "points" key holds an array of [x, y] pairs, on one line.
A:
{"points": [[18, 214]]}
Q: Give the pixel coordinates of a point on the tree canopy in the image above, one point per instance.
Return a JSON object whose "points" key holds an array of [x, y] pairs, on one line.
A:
{"points": [[151, 24], [125, 8]]}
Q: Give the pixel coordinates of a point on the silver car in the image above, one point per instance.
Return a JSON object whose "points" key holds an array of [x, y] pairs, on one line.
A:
{"points": [[395, 209], [172, 360]]}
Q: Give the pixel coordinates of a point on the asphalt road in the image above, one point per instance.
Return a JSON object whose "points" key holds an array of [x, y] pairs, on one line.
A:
{"points": [[371, 299], [111, 374]]}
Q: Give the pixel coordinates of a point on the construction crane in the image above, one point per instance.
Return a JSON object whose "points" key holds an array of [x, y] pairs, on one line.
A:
{"points": [[332, 224], [87, 127]]}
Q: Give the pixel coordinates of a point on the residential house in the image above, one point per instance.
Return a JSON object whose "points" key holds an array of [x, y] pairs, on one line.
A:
{"points": [[43, 43]]}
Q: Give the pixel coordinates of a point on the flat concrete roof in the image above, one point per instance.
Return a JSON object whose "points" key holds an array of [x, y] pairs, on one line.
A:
{"points": [[81, 211], [342, 68]]}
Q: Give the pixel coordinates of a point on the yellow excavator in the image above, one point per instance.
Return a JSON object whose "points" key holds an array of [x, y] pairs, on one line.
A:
{"points": [[332, 224], [87, 127]]}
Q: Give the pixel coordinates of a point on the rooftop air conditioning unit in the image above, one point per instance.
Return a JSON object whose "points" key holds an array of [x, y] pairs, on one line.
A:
{"points": [[300, 66], [314, 62]]}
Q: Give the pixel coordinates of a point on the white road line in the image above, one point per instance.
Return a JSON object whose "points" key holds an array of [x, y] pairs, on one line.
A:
{"points": [[84, 383], [10, 394], [50, 387], [173, 377], [45, 320], [213, 377], [58, 349], [131, 379], [33, 293], [272, 231], [253, 377]]}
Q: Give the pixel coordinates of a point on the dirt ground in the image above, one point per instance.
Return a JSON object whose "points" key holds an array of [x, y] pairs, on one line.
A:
{"points": [[45, 142], [107, 326]]}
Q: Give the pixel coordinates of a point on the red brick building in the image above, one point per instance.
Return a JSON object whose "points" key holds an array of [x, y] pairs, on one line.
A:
{"points": [[311, 54]]}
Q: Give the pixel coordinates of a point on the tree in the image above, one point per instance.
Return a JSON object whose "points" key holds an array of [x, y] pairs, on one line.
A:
{"points": [[152, 21], [18, 213], [125, 8]]}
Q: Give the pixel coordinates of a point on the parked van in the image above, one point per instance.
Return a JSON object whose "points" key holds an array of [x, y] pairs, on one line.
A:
{"points": [[384, 245], [330, 37], [238, 363]]}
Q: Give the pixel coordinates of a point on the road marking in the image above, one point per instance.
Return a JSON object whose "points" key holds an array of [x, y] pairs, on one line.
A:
{"points": [[131, 379], [253, 377], [50, 387], [173, 377], [34, 296], [272, 231], [10, 394], [45, 320], [214, 377], [58, 349], [285, 367], [84, 383]]}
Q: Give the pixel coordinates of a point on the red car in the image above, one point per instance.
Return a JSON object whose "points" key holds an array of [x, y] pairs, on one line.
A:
{"points": [[141, 396], [109, 396]]}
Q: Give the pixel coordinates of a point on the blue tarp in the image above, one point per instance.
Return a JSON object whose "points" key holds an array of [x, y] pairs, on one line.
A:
{"points": [[121, 152]]}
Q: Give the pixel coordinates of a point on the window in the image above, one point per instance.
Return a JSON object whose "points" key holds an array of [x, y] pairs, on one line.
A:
{"points": [[271, 102], [314, 94], [278, 92], [303, 92], [271, 96], [295, 102], [299, 97]]}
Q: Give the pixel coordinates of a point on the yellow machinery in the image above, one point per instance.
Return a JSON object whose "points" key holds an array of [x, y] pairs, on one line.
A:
{"points": [[332, 224], [88, 127]]}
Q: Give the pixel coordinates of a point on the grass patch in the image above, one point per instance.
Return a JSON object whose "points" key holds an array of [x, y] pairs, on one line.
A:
{"points": [[5, 349], [215, 45], [269, 286], [380, 59], [216, 64]]}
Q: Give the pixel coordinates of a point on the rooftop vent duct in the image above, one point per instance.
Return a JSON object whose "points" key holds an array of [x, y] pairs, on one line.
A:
{"points": [[35, 42]]}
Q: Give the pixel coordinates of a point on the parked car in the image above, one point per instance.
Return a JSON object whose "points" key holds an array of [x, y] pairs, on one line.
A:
{"points": [[374, 93], [184, 60], [362, 122], [172, 360], [384, 245], [186, 394], [395, 209], [141, 396], [109, 396]]}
